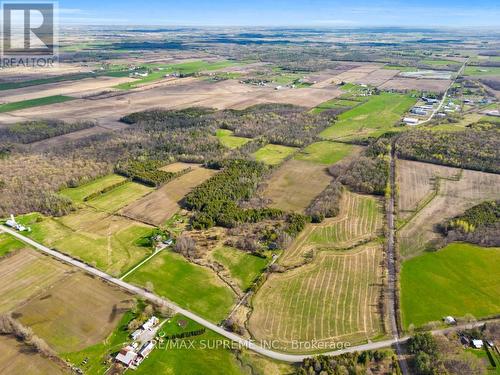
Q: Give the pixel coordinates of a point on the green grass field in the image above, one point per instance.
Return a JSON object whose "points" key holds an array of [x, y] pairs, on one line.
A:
{"points": [[118, 198], [63, 78], [242, 266], [439, 62], [112, 244], [400, 68], [325, 152], [273, 154], [79, 193], [9, 243], [182, 68], [335, 104], [372, 118], [457, 280], [482, 71], [16, 106], [191, 286], [227, 139]]}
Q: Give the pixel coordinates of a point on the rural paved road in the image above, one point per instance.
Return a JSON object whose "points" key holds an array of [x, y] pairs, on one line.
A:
{"points": [[229, 335]]}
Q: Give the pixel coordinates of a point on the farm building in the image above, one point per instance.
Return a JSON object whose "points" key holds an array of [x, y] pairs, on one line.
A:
{"points": [[410, 121], [127, 356], [478, 344]]}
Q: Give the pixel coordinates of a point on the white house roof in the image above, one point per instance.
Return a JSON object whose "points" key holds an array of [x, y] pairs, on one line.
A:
{"points": [[478, 344]]}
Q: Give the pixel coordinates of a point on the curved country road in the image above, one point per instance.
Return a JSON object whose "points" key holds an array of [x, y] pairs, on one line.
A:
{"points": [[229, 335]]}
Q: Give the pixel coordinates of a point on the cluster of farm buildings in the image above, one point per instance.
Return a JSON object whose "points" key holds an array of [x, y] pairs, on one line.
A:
{"points": [[132, 355]]}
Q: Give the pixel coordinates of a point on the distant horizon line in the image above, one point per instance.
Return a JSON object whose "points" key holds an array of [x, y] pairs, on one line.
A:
{"points": [[288, 27]]}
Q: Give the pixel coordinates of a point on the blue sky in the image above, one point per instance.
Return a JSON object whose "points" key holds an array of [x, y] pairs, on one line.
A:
{"points": [[325, 13]]}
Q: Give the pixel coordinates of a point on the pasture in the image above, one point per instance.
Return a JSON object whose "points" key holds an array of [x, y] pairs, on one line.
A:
{"points": [[119, 197], [482, 71], [78, 194], [372, 118], [326, 152], [273, 154], [452, 198], [177, 167], [30, 103], [17, 359], [295, 184], [26, 274], [227, 139], [9, 243], [191, 286], [332, 299], [75, 314], [242, 266], [360, 219], [111, 243], [160, 205], [457, 280]]}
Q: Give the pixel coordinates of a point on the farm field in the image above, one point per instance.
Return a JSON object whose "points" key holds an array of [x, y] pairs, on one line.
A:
{"points": [[111, 243], [374, 117], [478, 71], [457, 280], [452, 198], [119, 197], [416, 181], [178, 167], [16, 359], [404, 83], [9, 244], [360, 220], [30, 103], [326, 152], [295, 184], [75, 314], [182, 68], [439, 62], [78, 194], [191, 286], [161, 204], [26, 274], [332, 299], [243, 267], [273, 154], [227, 139]]}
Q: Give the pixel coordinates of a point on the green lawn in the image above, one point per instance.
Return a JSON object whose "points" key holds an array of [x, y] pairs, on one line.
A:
{"points": [[273, 154], [325, 152], [79, 193], [227, 139], [182, 68], [9, 243], [482, 71], [372, 118], [16, 106], [243, 267], [457, 280], [118, 198], [191, 286]]}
